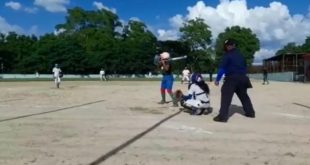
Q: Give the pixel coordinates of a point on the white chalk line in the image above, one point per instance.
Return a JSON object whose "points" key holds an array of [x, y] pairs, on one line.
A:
{"points": [[185, 128], [293, 115]]}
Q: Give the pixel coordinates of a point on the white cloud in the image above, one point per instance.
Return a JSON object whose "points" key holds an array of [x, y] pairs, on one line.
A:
{"points": [[177, 21], [167, 34], [61, 30], [13, 5], [31, 10], [263, 54], [53, 5], [5, 27], [135, 19], [17, 6], [34, 30], [274, 25], [100, 6]]}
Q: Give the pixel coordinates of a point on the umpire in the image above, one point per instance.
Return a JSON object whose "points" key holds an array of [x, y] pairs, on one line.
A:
{"points": [[233, 65]]}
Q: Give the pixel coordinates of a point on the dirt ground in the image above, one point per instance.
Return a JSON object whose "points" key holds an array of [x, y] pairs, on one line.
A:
{"points": [[120, 123]]}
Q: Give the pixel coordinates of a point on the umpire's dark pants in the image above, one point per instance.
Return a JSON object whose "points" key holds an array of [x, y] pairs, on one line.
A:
{"points": [[236, 84]]}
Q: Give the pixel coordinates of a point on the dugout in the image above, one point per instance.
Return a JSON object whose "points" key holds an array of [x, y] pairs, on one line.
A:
{"points": [[298, 63]]}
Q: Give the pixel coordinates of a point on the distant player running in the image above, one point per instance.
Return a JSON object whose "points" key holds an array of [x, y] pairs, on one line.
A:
{"points": [[102, 75], [57, 75]]}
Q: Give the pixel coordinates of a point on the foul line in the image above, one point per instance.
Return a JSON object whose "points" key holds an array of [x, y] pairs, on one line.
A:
{"points": [[42, 113], [132, 140], [305, 106]]}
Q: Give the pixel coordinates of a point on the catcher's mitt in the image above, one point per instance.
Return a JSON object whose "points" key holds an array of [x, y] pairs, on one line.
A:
{"points": [[178, 95]]}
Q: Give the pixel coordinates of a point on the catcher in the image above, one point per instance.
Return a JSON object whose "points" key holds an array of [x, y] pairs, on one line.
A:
{"points": [[197, 99]]}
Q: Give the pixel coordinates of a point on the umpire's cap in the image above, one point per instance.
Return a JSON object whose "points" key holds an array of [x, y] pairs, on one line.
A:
{"points": [[230, 42]]}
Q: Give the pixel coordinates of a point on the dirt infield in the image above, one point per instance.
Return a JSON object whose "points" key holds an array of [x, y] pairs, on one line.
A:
{"points": [[120, 123]]}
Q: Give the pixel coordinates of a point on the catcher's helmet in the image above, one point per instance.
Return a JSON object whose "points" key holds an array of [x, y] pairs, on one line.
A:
{"points": [[196, 77]]}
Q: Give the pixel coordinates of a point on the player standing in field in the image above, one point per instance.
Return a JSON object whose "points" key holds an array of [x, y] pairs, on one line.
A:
{"points": [[102, 75], [167, 80], [185, 75], [57, 75]]}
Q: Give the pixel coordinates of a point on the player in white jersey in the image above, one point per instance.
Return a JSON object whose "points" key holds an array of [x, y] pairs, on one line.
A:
{"points": [[102, 75], [57, 75], [185, 75]]}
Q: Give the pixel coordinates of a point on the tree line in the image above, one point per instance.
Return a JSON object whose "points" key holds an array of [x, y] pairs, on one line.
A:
{"points": [[93, 39], [292, 47]]}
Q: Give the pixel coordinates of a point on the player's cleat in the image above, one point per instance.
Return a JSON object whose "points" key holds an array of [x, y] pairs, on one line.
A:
{"points": [[195, 111], [175, 104], [162, 102], [202, 111]]}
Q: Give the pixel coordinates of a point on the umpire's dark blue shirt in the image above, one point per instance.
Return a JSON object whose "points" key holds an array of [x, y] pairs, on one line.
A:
{"points": [[233, 63]]}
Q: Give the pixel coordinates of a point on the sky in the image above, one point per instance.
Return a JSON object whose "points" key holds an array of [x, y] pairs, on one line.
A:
{"points": [[275, 23]]}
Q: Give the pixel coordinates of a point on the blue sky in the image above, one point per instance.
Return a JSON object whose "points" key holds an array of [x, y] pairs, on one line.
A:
{"points": [[153, 12], [274, 22]]}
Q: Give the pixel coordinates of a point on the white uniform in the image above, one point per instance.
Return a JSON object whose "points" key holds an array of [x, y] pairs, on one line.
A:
{"points": [[102, 75], [199, 98], [37, 75], [185, 75], [56, 75]]}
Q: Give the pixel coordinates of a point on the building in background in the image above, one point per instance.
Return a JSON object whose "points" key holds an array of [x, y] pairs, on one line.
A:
{"points": [[296, 63]]}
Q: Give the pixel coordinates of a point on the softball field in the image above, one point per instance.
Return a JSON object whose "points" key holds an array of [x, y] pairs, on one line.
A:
{"points": [[120, 123]]}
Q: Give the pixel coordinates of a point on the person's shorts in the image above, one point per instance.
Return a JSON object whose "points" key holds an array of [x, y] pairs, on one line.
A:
{"points": [[167, 82]]}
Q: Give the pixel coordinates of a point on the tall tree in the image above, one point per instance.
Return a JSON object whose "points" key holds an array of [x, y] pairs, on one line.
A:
{"points": [[306, 46], [247, 42], [138, 48], [290, 48], [15, 51], [97, 32], [79, 19], [197, 35]]}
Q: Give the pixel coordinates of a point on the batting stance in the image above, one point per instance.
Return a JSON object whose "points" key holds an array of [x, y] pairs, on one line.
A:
{"points": [[233, 65], [57, 75], [167, 80], [197, 99]]}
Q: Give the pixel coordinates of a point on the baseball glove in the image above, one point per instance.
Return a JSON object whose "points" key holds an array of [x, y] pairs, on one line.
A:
{"points": [[178, 95]]}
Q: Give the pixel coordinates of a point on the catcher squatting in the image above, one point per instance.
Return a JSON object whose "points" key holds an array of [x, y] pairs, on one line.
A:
{"points": [[197, 99]]}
